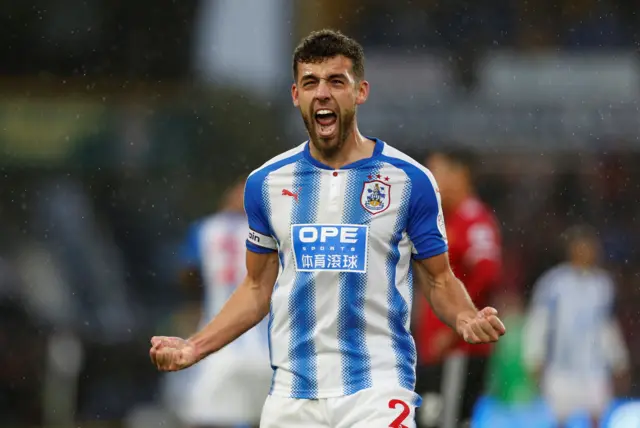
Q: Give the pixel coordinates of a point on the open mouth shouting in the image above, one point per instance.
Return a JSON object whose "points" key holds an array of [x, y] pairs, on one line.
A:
{"points": [[326, 122]]}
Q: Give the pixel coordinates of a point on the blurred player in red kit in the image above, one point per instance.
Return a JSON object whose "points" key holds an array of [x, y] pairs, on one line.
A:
{"points": [[451, 372]]}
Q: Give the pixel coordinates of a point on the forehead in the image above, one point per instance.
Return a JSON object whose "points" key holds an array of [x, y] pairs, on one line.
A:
{"points": [[334, 65], [584, 241], [437, 160]]}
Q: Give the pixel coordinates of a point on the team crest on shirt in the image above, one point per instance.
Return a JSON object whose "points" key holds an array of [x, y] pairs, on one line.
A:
{"points": [[376, 196]]}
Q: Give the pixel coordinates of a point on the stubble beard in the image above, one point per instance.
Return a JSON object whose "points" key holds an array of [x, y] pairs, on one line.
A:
{"points": [[329, 147]]}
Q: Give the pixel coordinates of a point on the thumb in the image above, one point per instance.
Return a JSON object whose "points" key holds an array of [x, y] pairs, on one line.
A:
{"points": [[156, 341], [488, 311]]}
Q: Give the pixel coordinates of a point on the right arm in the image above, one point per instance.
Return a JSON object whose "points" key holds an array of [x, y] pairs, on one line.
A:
{"points": [[616, 352], [246, 307], [536, 328], [250, 303]]}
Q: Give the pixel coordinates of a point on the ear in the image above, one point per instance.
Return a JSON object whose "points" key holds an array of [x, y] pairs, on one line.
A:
{"points": [[363, 92], [294, 95]]}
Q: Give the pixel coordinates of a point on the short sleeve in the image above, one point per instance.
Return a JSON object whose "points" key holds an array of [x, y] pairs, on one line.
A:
{"points": [[425, 227], [260, 239], [190, 248]]}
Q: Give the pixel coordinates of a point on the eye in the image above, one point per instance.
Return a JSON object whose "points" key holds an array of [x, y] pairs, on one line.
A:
{"points": [[337, 82], [308, 84]]}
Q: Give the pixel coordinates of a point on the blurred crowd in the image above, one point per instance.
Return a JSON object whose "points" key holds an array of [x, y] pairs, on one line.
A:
{"points": [[116, 134]]}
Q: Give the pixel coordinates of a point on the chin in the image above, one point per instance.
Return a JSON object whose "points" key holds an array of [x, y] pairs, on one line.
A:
{"points": [[327, 145], [329, 142]]}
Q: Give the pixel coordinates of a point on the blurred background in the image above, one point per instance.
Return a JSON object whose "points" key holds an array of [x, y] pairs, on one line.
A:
{"points": [[121, 123]]}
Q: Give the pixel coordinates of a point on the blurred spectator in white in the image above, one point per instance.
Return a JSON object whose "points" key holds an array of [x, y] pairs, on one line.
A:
{"points": [[573, 344], [227, 389]]}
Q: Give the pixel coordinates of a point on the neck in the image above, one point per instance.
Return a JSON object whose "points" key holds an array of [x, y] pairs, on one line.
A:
{"points": [[232, 207], [354, 148], [582, 265], [457, 198]]}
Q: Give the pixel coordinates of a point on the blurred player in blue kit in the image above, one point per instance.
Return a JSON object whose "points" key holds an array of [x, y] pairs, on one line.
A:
{"points": [[229, 388], [341, 227]]}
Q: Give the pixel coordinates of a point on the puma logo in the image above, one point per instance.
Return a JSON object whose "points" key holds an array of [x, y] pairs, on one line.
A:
{"points": [[286, 192]]}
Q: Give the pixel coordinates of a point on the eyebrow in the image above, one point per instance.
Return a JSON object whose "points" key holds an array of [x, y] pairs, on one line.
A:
{"points": [[329, 77], [338, 75]]}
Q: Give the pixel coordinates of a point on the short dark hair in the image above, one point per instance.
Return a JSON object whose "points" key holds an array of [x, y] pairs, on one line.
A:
{"points": [[580, 232], [324, 44], [460, 156]]}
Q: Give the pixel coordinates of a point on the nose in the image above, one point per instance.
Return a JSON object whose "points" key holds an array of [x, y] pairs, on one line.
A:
{"points": [[323, 92]]}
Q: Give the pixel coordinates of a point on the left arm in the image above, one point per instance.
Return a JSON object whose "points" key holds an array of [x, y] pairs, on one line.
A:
{"points": [[483, 268], [445, 293], [450, 301], [616, 352]]}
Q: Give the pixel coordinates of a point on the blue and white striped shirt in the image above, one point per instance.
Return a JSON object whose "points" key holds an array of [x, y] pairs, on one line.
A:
{"points": [[340, 309], [571, 329]]}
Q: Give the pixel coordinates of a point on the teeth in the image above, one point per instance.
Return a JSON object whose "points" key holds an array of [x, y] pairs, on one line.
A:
{"points": [[324, 111]]}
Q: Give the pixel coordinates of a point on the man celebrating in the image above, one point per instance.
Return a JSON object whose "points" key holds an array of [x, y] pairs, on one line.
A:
{"points": [[341, 227]]}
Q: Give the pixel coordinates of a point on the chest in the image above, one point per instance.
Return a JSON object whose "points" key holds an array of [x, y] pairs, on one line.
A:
{"points": [[334, 220], [222, 252], [580, 301]]}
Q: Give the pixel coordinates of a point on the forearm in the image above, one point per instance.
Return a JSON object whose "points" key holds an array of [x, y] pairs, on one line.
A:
{"points": [[615, 347], [449, 299], [246, 307], [534, 340]]}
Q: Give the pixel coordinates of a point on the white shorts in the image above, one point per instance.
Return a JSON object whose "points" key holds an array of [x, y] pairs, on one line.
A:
{"points": [[369, 408], [227, 389], [567, 395]]}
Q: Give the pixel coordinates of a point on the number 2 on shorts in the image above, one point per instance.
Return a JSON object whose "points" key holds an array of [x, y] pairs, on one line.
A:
{"points": [[397, 422]]}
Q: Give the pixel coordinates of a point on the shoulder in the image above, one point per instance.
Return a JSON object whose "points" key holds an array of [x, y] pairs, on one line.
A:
{"points": [[257, 177], [549, 279], [475, 212], [604, 280], [277, 162], [201, 225], [559, 271], [415, 171], [196, 226]]}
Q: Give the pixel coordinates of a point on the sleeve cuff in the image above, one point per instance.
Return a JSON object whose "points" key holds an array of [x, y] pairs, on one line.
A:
{"points": [[431, 252], [261, 240], [257, 249]]}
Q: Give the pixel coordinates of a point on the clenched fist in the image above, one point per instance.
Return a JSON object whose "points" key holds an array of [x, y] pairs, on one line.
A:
{"points": [[482, 327], [171, 354]]}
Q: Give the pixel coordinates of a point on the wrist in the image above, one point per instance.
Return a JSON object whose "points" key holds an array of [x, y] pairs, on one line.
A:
{"points": [[463, 318], [200, 347]]}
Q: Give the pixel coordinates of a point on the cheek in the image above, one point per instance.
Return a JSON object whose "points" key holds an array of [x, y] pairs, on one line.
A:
{"points": [[303, 103], [346, 101]]}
